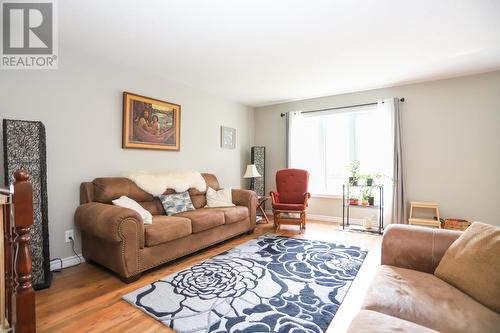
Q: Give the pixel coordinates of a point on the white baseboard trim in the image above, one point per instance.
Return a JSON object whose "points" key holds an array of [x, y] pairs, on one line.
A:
{"points": [[325, 218], [66, 262], [335, 219]]}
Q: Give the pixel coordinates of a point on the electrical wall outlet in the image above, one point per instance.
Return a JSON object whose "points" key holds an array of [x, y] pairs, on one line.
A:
{"points": [[69, 234]]}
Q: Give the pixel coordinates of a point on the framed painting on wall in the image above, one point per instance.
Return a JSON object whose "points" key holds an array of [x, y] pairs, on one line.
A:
{"points": [[150, 123]]}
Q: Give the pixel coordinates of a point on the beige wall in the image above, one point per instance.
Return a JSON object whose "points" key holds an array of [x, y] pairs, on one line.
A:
{"points": [[451, 140], [81, 107]]}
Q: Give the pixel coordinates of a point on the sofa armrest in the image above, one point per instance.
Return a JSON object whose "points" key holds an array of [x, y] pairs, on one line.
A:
{"points": [[246, 198], [86, 192], [107, 222], [414, 247]]}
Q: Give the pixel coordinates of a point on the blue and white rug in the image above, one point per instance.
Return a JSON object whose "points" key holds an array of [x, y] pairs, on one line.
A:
{"points": [[269, 284]]}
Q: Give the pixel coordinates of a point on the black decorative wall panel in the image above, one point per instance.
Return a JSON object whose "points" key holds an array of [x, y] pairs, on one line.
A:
{"points": [[24, 148], [258, 157]]}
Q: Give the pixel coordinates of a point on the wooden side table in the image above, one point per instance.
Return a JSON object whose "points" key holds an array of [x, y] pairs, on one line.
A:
{"points": [[261, 204]]}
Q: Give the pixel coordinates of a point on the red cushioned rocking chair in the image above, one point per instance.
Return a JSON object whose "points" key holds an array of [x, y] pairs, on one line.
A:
{"points": [[291, 198]]}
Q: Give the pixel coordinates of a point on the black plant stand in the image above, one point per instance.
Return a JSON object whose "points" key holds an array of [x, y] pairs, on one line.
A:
{"points": [[346, 209]]}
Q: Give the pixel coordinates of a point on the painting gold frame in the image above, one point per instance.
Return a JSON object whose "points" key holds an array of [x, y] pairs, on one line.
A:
{"points": [[150, 123]]}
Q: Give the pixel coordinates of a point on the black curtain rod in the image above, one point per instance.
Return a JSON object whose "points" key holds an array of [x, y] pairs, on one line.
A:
{"points": [[341, 107]]}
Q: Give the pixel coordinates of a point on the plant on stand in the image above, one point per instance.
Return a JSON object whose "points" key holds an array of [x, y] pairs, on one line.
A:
{"points": [[364, 198], [367, 179], [354, 170], [368, 198], [353, 199]]}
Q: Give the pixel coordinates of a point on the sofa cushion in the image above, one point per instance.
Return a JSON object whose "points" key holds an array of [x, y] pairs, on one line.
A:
{"points": [[472, 264], [108, 189], [154, 207], [424, 299], [211, 180], [234, 214], [199, 200], [204, 218], [376, 322], [166, 228]]}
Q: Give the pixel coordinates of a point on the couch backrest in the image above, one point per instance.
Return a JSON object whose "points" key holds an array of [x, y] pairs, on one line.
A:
{"points": [[107, 189]]}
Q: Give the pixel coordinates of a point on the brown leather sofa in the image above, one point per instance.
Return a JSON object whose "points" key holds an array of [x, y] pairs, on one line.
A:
{"points": [[405, 296], [116, 237]]}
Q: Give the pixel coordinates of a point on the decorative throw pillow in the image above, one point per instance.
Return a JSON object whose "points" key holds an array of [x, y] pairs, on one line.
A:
{"points": [[221, 198], [126, 202], [472, 264], [176, 203]]}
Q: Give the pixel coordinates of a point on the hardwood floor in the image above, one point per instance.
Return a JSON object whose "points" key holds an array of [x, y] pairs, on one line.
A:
{"points": [[86, 298]]}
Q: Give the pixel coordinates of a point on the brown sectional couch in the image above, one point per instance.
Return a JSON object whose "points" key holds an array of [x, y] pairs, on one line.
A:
{"points": [[117, 238], [405, 296]]}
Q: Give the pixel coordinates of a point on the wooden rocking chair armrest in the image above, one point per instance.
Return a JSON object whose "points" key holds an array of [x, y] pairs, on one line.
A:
{"points": [[307, 196], [275, 197]]}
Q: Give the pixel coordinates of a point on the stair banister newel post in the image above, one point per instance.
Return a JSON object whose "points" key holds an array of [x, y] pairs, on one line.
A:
{"points": [[23, 220]]}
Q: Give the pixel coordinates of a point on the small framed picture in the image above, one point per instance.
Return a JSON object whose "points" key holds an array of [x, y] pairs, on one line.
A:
{"points": [[227, 137]]}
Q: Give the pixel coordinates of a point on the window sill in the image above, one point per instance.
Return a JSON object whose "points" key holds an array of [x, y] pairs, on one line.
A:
{"points": [[327, 196]]}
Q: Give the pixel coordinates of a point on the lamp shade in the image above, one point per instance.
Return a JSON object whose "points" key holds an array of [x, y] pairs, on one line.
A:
{"points": [[251, 172]]}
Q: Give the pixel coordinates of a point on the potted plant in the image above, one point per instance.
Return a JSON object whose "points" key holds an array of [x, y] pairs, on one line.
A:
{"points": [[368, 179], [354, 170], [364, 201], [368, 198], [353, 200]]}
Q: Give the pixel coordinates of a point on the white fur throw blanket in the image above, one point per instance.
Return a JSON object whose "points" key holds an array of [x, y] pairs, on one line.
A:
{"points": [[157, 183]]}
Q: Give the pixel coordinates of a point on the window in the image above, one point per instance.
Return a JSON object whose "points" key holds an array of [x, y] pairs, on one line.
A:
{"points": [[326, 142]]}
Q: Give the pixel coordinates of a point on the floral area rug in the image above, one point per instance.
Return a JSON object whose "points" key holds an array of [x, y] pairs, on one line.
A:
{"points": [[268, 284]]}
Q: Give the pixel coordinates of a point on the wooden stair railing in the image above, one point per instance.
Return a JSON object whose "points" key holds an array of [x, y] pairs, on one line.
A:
{"points": [[19, 301]]}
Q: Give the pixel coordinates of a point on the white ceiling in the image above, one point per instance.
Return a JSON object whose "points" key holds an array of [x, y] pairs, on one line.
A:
{"points": [[261, 52]]}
